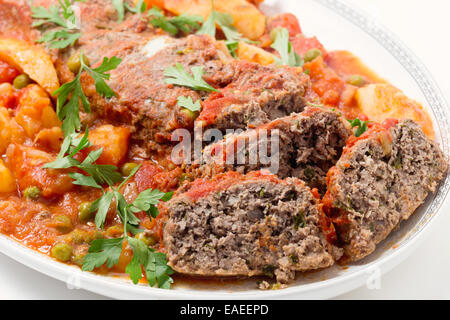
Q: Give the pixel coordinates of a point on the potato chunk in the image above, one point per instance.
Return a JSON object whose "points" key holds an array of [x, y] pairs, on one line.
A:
{"points": [[5, 129], [26, 164], [7, 181], [248, 20], [35, 111], [253, 53], [32, 60], [382, 101], [113, 140]]}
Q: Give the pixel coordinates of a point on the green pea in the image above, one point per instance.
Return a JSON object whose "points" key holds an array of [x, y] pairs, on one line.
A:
{"points": [[21, 81], [32, 193], [127, 168], [78, 258], [312, 54], [79, 236], [74, 62], [186, 177], [84, 212], [356, 80], [91, 236], [147, 239], [190, 115], [62, 251], [62, 223]]}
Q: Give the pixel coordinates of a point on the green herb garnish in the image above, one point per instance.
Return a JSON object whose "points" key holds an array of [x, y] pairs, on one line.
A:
{"points": [[174, 25], [188, 103], [299, 220], [108, 251], [284, 47], [67, 108], [63, 17], [362, 126], [179, 76], [225, 22], [121, 6]]}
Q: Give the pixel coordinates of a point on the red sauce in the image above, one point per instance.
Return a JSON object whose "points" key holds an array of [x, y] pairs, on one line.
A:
{"points": [[30, 222]]}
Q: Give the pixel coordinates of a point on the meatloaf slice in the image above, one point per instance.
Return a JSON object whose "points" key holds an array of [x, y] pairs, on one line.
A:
{"points": [[247, 225], [380, 180], [251, 95], [310, 143]]}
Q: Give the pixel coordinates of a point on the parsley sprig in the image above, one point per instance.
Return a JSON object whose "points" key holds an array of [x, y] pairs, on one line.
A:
{"points": [[70, 95], [61, 16], [188, 103], [179, 76], [362, 126], [121, 6], [284, 47], [225, 21], [98, 174], [174, 25], [108, 251]]}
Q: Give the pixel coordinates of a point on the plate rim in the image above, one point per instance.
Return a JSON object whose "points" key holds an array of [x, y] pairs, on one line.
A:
{"points": [[438, 105]]}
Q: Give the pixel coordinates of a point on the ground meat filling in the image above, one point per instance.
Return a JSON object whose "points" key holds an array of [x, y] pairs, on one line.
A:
{"points": [[256, 227], [309, 144], [379, 182]]}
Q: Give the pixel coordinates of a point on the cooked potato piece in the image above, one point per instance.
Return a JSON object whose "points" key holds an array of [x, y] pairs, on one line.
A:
{"points": [[382, 101], [7, 181], [253, 53], [113, 140], [35, 111], [26, 165], [5, 129], [248, 20], [32, 60], [49, 139]]}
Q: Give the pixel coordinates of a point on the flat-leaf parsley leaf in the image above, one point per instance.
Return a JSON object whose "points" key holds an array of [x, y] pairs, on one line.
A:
{"points": [[179, 76], [70, 94], [284, 47]]}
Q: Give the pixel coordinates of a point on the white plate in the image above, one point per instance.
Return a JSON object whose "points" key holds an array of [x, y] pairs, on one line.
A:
{"points": [[338, 26]]}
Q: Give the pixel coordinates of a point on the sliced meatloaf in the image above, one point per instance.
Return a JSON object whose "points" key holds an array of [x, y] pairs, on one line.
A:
{"points": [[309, 144], [380, 180], [247, 225], [149, 105], [251, 95]]}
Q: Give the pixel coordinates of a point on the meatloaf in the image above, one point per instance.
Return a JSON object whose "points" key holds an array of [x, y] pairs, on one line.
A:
{"points": [[250, 94], [380, 180], [247, 225], [309, 144]]}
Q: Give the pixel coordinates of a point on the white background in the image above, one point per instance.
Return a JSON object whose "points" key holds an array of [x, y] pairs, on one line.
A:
{"points": [[424, 27]]}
